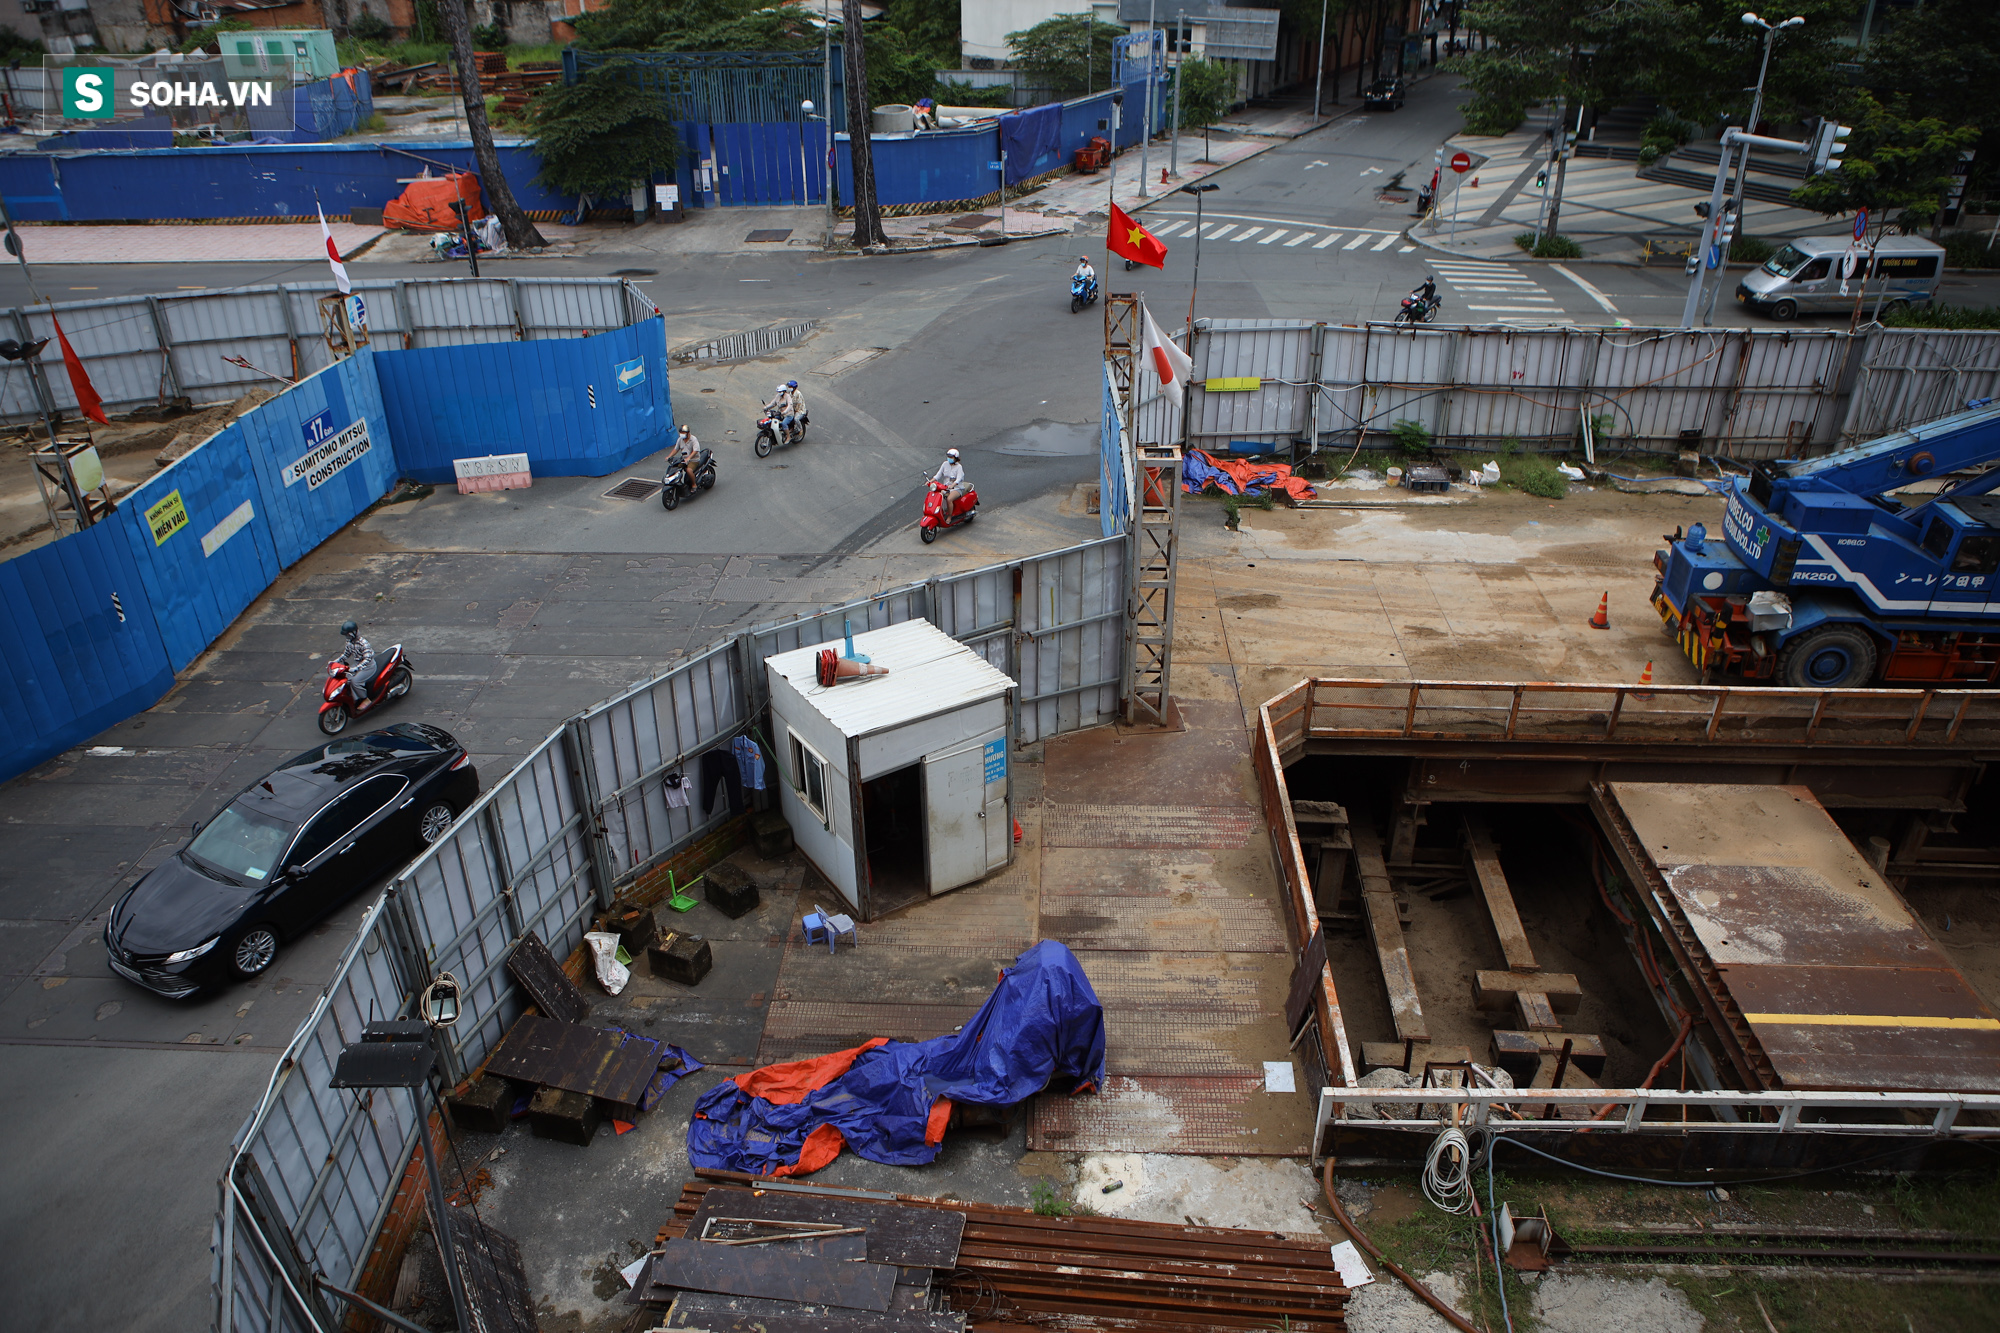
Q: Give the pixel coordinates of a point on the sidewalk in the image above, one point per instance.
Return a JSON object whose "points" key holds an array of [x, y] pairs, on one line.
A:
{"points": [[1607, 207], [1055, 209]]}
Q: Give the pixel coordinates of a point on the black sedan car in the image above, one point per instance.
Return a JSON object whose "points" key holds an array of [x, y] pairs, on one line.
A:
{"points": [[289, 849], [1384, 93]]}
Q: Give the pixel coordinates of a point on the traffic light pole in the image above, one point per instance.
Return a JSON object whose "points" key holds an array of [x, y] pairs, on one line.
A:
{"points": [[1712, 252]]}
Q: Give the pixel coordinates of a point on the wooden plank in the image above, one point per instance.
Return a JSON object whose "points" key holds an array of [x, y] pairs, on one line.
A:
{"points": [[1483, 861], [751, 1314], [1387, 927], [897, 1233], [612, 1065], [1298, 1002], [1496, 990], [1390, 1055], [535, 968], [1532, 1012], [792, 1272]]}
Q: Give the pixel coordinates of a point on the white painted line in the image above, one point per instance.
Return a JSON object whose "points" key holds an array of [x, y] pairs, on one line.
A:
{"points": [[1169, 229], [1299, 239], [1493, 287], [1321, 245], [1221, 232], [1589, 290], [1276, 232], [1356, 243], [1406, 249], [1246, 233], [1518, 309], [1384, 243]]}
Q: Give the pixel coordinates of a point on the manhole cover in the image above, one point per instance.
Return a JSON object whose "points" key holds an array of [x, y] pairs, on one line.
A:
{"points": [[770, 234], [632, 488], [633, 272]]}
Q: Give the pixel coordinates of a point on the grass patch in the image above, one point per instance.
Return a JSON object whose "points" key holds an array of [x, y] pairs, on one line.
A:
{"points": [[1413, 438], [1967, 249], [1047, 1201], [1751, 250], [1534, 474], [1943, 317], [1551, 246]]}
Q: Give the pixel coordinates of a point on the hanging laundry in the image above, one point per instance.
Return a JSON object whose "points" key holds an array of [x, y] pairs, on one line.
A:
{"points": [[720, 766], [749, 762], [675, 787]]}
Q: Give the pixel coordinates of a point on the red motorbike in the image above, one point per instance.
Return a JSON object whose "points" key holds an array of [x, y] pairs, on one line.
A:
{"points": [[393, 679], [935, 519]]}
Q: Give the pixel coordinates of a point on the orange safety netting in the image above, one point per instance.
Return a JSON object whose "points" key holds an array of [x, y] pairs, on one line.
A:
{"points": [[425, 205]]}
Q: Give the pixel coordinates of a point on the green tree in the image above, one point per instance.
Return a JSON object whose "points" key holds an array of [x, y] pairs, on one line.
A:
{"points": [[1208, 90], [929, 27], [1896, 163], [695, 25], [521, 231], [1707, 70], [1946, 58], [1585, 52], [1054, 50], [601, 134]]}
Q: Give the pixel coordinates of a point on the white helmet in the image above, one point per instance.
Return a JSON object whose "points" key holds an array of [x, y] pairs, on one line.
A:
{"points": [[952, 454], [782, 386], [686, 429]]}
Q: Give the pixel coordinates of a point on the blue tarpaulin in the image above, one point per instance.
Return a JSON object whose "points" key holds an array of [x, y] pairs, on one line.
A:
{"points": [[1042, 1027], [1031, 139]]}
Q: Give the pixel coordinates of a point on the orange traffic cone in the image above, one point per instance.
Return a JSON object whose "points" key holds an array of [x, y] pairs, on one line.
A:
{"points": [[1645, 678], [1602, 620]]}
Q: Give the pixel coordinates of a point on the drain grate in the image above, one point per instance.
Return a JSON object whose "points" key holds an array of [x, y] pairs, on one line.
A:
{"points": [[633, 488], [767, 234], [740, 346]]}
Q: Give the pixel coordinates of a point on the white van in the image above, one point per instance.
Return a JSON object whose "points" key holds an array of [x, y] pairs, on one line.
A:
{"points": [[1804, 277]]}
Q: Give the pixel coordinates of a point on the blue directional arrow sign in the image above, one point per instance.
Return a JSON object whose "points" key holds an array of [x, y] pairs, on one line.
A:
{"points": [[631, 374]]}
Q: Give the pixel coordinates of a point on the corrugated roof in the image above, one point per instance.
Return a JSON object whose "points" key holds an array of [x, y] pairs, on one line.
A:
{"points": [[929, 673]]}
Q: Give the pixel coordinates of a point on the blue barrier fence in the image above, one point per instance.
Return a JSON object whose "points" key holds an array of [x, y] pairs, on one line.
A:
{"points": [[94, 626], [241, 180], [81, 646], [576, 407]]}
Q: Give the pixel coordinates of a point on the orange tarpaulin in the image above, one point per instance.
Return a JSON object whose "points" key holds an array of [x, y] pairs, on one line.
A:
{"points": [[791, 1082], [425, 205]]}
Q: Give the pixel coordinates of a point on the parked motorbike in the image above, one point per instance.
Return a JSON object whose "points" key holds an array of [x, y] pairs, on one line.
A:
{"points": [[393, 679], [689, 479], [935, 519], [770, 427], [1419, 309], [1082, 292]]}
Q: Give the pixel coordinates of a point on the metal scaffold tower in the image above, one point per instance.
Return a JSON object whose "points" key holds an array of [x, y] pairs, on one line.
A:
{"points": [[1154, 472]]}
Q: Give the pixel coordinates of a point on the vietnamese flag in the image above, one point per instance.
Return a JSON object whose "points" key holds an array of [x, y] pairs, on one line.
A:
{"points": [[1129, 240], [87, 401]]}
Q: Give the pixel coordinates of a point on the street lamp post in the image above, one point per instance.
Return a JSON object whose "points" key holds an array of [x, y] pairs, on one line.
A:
{"points": [[1197, 190], [1319, 66], [1152, 78], [1771, 31]]}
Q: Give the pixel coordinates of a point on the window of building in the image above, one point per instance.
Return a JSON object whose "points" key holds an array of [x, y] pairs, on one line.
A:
{"points": [[808, 776]]}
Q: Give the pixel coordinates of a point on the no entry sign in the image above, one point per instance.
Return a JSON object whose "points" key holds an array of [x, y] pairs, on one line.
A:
{"points": [[1461, 162]]}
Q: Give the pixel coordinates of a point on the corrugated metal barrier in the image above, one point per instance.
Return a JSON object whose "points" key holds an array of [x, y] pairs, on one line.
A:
{"points": [[1747, 393], [100, 620], [316, 1169], [142, 350]]}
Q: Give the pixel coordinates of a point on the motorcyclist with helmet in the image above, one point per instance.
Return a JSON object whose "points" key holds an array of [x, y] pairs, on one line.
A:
{"points": [[788, 405], [359, 656], [951, 473]]}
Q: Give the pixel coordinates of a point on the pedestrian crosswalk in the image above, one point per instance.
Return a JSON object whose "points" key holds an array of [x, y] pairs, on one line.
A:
{"points": [[1497, 294], [1347, 239]]}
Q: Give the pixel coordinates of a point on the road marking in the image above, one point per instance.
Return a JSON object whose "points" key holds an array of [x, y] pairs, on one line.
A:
{"points": [[1406, 249], [1496, 287], [1216, 215], [753, 279], [1518, 309], [1315, 163], [1168, 230], [1299, 239], [1331, 238], [1383, 244], [1589, 290], [1356, 243], [1221, 231], [1372, 171], [1246, 233], [1275, 234]]}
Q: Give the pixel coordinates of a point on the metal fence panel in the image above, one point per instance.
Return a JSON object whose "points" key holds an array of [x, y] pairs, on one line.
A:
{"points": [[141, 350], [1914, 375], [1071, 639], [1272, 350], [663, 727]]}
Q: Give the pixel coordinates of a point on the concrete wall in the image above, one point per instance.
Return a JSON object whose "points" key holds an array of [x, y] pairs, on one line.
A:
{"points": [[830, 847]]}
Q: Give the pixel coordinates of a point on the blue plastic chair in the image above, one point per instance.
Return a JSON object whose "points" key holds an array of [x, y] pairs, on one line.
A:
{"points": [[822, 928]]}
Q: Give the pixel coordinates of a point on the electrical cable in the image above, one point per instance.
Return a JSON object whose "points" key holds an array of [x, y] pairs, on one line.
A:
{"points": [[1448, 1172], [1493, 1216], [1418, 1289], [1512, 1142]]}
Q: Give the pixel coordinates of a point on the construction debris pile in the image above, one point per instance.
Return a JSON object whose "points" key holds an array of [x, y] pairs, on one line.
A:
{"points": [[789, 1258]]}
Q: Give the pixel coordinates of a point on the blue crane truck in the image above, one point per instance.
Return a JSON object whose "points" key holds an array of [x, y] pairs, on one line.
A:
{"points": [[1824, 578]]}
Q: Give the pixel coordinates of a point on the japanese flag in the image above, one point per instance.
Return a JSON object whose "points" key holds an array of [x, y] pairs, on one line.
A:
{"points": [[1168, 362], [333, 256]]}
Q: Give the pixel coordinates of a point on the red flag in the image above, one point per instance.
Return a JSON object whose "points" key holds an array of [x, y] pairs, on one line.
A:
{"points": [[87, 401], [1129, 240]]}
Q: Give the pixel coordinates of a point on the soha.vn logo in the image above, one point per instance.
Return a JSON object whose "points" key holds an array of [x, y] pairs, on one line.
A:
{"points": [[90, 94]]}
